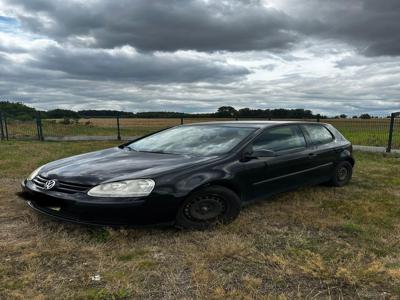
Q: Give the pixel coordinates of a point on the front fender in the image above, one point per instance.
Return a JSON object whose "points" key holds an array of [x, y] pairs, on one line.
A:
{"points": [[221, 172], [197, 180]]}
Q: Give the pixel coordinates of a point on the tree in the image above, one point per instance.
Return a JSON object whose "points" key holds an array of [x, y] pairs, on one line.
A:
{"points": [[365, 116], [23, 112], [343, 116], [226, 111], [17, 110], [104, 113], [244, 112], [61, 113]]}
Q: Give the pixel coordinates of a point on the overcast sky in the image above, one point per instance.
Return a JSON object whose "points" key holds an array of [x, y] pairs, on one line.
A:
{"points": [[330, 56]]}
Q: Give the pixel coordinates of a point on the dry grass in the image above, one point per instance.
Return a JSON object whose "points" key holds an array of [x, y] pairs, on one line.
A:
{"points": [[317, 242]]}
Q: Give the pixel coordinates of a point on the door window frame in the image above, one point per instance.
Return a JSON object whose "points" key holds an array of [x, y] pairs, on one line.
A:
{"points": [[285, 151]]}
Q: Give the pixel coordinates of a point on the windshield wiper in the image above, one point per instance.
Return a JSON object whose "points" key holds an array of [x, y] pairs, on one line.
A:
{"points": [[127, 147], [150, 151]]}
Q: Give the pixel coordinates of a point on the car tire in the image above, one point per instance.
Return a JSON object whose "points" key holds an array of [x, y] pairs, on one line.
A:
{"points": [[342, 174], [208, 207]]}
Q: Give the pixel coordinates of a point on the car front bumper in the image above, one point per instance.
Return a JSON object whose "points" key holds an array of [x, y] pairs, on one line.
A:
{"points": [[84, 209]]}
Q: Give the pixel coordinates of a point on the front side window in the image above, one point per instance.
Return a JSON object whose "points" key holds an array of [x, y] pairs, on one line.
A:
{"points": [[203, 140], [318, 134], [280, 139]]}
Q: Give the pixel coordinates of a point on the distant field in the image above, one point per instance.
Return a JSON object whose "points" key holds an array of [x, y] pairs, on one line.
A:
{"points": [[373, 132], [313, 243]]}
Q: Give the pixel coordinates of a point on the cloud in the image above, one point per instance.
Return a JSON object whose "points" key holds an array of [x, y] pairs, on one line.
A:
{"points": [[123, 63], [238, 25], [196, 55], [46, 75], [160, 25], [127, 64], [371, 26]]}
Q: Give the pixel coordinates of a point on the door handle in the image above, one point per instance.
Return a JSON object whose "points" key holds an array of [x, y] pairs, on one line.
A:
{"points": [[311, 155]]}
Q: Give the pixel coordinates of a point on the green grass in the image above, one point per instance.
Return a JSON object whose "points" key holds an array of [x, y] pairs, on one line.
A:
{"points": [[316, 242]]}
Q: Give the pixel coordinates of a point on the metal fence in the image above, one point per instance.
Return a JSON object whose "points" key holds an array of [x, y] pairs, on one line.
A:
{"points": [[382, 132]]}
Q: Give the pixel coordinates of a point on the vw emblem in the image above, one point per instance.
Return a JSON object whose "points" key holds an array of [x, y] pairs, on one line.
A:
{"points": [[49, 184]]}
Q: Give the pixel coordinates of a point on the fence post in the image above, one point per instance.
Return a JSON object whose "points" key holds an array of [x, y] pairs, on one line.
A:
{"points": [[389, 145], [39, 126], [181, 120], [118, 129], [1, 126], [318, 118], [6, 127]]}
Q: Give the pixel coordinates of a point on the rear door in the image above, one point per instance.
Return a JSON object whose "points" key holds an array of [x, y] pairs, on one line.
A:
{"points": [[323, 150], [286, 170]]}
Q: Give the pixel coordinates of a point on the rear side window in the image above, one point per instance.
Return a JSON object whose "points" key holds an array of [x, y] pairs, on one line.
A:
{"points": [[318, 134], [280, 139]]}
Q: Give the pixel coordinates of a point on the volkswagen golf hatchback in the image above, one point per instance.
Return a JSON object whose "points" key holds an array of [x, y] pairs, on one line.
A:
{"points": [[192, 176]]}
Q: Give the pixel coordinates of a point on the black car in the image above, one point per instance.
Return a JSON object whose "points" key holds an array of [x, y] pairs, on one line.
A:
{"points": [[190, 175]]}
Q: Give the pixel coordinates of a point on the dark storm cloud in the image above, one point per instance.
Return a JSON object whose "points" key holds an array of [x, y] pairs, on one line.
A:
{"points": [[162, 25], [117, 64], [370, 25], [126, 64]]}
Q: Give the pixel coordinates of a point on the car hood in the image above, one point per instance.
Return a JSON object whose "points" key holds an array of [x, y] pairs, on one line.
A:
{"points": [[116, 164]]}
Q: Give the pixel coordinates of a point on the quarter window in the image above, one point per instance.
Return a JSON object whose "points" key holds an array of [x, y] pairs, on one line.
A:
{"points": [[318, 134], [280, 139]]}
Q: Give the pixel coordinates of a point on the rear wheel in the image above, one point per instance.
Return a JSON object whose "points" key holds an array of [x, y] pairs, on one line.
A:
{"points": [[342, 174], [207, 207]]}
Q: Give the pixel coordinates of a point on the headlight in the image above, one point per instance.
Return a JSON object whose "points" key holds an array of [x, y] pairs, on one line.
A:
{"points": [[126, 188], [34, 173]]}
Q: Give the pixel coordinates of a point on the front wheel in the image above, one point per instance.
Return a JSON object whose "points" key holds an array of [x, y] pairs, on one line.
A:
{"points": [[208, 206], [342, 174]]}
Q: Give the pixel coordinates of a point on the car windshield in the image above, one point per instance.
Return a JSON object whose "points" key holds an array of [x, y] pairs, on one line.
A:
{"points": [[200, 140]]}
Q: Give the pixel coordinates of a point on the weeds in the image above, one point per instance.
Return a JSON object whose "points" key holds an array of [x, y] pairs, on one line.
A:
{"points": [[316, 242]]}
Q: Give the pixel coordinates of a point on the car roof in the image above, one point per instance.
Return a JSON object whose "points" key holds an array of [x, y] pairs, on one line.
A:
{"points": [[254, 124]]}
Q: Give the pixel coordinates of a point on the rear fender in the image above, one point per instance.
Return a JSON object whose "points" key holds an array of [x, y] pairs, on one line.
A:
{"points": [[347, 156]]}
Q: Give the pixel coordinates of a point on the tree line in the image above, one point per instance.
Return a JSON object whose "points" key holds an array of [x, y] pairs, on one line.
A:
{"points": [[21, 111]]}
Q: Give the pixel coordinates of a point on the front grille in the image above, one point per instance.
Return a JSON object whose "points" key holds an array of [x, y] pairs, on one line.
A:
{"points": [[62, 186]]}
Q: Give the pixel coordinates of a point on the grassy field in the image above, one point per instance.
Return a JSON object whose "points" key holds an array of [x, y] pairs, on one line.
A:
{"points": [[317, 242], [373, 132]]}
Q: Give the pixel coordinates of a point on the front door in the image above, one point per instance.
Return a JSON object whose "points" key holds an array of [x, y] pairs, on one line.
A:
{"points": [[287, 169]]}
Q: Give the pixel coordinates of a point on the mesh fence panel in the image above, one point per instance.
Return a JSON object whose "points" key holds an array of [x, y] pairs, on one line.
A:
{"points": [[79, 127], [368, 132], [18, 129]]}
